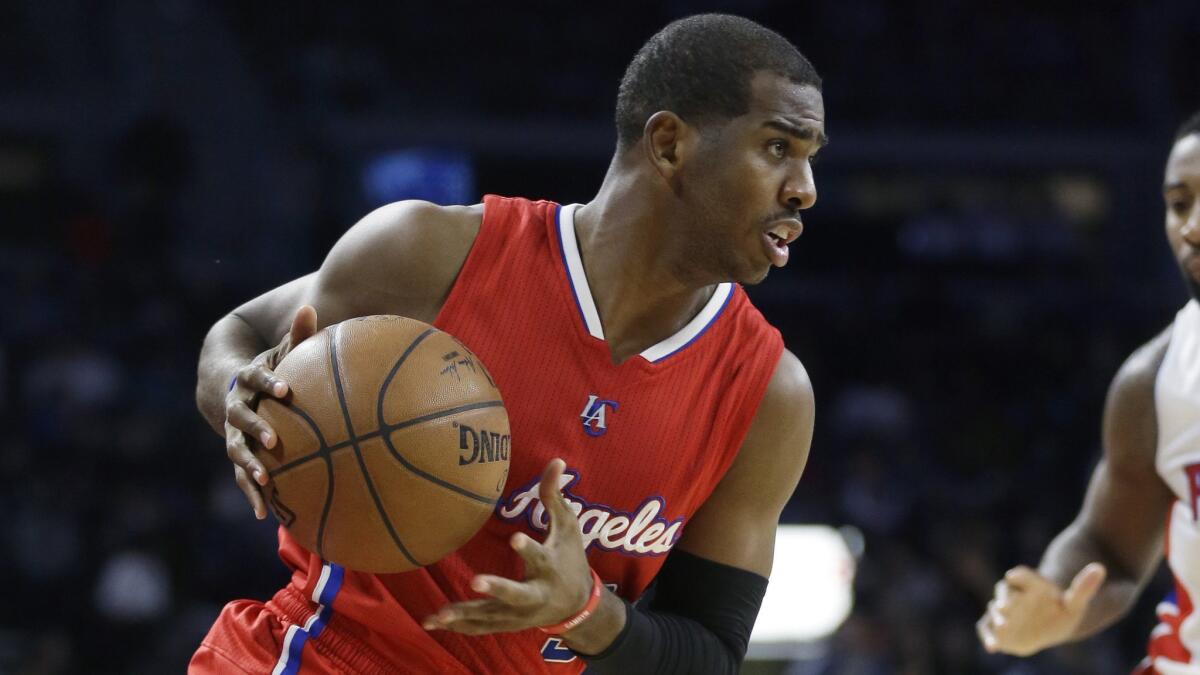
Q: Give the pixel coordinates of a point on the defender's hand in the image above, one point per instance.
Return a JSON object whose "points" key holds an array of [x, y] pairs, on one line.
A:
{"points": [[1030, 613], [557, 578], [253, 381]]}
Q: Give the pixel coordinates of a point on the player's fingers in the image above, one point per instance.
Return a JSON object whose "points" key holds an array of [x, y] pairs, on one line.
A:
{"points": [[260, 379], [1022, 578], [984, 631], [238, 451], [241, 417], [564, 524], [548, 483], [551, 496], [253, 495], [486, 627], [996, 618], [1000, 593], [514, 593], [534, 554], [1084, 587], [304, 324], [488, 614]]}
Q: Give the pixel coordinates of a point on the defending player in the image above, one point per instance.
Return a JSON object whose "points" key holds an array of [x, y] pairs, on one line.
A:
{"points": [[1148, 481], [623, 344]]}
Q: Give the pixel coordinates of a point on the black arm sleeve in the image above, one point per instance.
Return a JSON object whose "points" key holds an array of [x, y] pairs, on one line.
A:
{"points": [[698, 621]]}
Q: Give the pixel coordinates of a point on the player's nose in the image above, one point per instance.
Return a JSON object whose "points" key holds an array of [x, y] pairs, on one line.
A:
{"points": [[799, 191]]}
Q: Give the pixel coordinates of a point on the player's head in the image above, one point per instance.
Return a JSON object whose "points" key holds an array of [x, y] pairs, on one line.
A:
{"points": [[1181, 191], [729, 115]]}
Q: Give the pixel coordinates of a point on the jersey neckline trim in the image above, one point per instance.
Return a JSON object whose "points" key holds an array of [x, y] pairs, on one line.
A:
{"points": [[568, 248]]}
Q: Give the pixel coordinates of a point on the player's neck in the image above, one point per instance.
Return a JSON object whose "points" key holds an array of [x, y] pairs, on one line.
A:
{"points": [[632, 268]]}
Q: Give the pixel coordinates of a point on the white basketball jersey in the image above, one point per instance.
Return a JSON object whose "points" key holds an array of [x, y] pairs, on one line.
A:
{"points": [[1175, 643]]}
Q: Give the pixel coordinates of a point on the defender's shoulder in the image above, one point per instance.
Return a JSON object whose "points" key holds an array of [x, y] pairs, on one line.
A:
{"points": [[1130, 420], [1138, 373]]}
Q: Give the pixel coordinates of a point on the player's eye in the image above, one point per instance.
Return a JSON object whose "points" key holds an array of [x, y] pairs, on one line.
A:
{"points": [[778, 148], [1178, 206]]}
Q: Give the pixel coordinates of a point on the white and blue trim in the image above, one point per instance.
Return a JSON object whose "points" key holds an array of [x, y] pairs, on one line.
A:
{"points": [[293, 642], [695, 328], [573, 264]]}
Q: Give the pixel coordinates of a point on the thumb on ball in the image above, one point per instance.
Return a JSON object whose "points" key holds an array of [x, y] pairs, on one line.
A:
{"points": [[304, 324]]}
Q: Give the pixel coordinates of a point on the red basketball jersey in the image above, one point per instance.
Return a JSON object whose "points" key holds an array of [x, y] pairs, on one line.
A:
{"points": [[645, 443]]}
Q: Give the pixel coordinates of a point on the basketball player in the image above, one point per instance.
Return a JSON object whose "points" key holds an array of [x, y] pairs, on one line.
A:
{"points": [[1143, 493], [623, 343]]}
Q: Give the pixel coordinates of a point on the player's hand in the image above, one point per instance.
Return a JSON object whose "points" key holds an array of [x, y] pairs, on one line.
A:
{"points": [[253, 381], [557, 578], [1030, 613]]}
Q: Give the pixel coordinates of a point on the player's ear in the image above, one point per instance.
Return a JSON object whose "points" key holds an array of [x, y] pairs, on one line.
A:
{"points": [[667, 139]]}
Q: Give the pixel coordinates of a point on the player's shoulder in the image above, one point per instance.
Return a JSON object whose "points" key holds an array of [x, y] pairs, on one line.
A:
{"points": [[789, 401], [401, 258], [414, 217], [1130, 422], [1137, 374], [408, 229], [791, 383]]}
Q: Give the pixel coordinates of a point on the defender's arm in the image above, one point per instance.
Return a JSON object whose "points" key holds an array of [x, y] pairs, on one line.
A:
{"points": [[1117, 534]]}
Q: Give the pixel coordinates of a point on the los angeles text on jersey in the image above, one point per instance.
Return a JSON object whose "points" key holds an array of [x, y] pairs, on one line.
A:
{"points": [[640, 532]]}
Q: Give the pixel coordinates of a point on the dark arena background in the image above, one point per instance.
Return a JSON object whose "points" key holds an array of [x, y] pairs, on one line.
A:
{"points": [[987, 247]]}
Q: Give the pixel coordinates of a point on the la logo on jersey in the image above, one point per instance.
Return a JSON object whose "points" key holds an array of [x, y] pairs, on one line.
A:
{"points": [[595, 415]]}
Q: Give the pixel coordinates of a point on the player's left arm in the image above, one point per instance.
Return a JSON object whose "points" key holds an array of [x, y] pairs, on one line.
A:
{"points": [[736, 525], [710, 589]]}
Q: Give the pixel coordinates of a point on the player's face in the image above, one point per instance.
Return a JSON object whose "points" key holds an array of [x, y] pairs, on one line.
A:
{"points": [[1181, 191], [755, 178]]}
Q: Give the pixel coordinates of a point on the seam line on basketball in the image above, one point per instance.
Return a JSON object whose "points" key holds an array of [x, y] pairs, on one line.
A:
{"points": [[323, 445], [300, 461], [337, 380], [329, 480], [387, 440]]}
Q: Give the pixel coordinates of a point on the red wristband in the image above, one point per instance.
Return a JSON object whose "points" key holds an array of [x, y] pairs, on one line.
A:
{"points": [[588, 607]]}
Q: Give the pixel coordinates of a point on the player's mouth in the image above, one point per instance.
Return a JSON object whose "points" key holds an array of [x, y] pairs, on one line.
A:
{"points": [[777, 236]]}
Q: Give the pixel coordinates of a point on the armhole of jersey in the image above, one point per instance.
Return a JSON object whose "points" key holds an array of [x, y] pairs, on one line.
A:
{"points": [[1156, 392], [1158, 386], [761, 370], [487, 241]]}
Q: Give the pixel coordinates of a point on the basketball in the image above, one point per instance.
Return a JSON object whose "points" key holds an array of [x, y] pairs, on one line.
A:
{"points": [[393, 444]]}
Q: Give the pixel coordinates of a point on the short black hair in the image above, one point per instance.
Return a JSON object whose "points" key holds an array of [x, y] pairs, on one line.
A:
{"points": [[700, 68], [1192, 126]]}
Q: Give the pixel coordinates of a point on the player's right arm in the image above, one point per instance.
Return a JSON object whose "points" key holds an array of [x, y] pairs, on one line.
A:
{"points": [[401, 259], [1093, 571]]}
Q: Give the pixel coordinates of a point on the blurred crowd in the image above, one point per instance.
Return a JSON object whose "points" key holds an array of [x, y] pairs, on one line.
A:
{"points": [[960, 336]]}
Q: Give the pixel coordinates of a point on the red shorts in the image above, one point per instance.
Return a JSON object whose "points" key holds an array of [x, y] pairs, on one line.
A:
{"points": [[287, 636]]}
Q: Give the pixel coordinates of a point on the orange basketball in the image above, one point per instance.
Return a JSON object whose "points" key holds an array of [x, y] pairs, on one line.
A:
{"points": [[392, 444]]}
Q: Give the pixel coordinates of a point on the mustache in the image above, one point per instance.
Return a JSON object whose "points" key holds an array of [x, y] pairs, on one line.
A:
{"points": [[782, 215]]}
